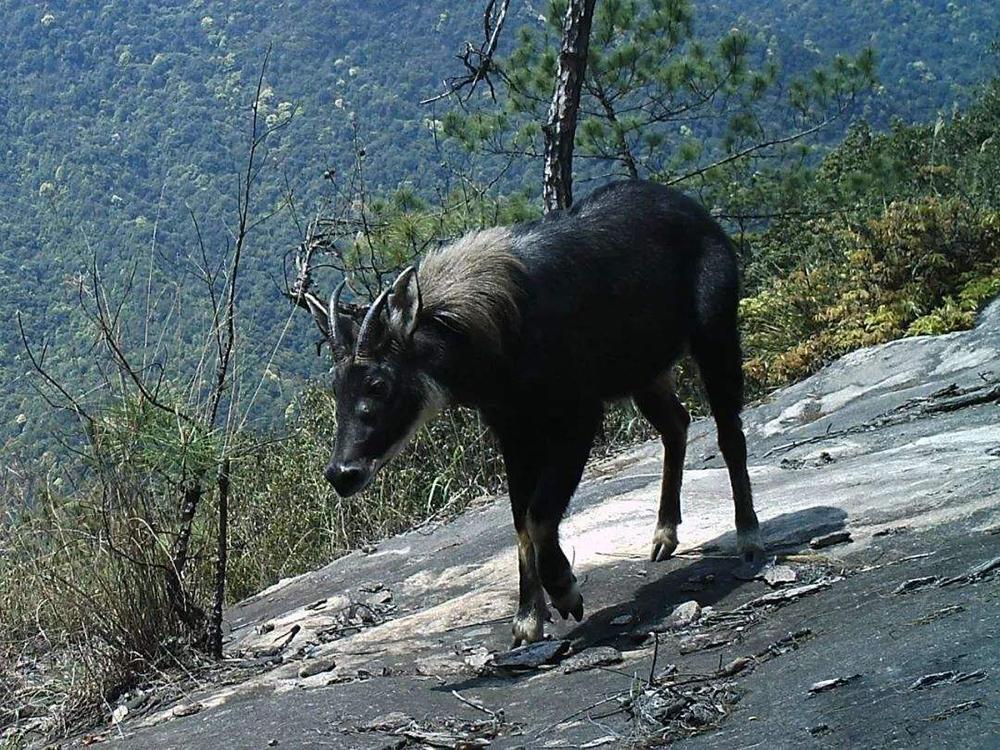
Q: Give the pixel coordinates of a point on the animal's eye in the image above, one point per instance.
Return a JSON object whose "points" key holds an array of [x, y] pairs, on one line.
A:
{"points": [[376, 388]]}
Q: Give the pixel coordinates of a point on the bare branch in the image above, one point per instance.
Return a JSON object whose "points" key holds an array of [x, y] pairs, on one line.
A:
{"points": [[478, 61], [799, 135], [229, 309], [38, 364]]}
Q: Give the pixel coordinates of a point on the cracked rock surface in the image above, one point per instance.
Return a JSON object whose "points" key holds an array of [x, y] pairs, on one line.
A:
{"points": [[898, 445]]}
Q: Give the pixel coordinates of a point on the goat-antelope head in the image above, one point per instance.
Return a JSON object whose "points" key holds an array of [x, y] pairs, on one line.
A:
{"points": [[383, 395]]}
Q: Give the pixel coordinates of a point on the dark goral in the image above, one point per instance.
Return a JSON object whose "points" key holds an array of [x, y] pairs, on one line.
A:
{"points": [[538, 325]]}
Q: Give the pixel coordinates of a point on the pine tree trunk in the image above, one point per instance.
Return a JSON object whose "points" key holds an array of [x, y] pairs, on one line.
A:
{"points": [[560, 128], [189, 612], [215, 629]]}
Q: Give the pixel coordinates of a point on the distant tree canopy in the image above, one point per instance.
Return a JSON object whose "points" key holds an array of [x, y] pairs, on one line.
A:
{"points": [[120, 121]]}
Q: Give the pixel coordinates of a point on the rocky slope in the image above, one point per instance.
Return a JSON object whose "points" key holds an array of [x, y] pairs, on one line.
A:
{"points": [[887, 638]]}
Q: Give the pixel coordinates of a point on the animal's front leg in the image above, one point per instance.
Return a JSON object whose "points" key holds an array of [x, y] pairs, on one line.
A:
{"points": [[544, 463], [568, 445], [555, 571], [532, 612]]}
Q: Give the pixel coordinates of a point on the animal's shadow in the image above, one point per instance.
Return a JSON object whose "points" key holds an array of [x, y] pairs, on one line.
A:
{"points": [[706, 579], [662, 586]]}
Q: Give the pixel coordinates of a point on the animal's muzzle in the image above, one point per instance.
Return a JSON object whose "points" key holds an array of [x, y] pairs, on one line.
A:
{"points": [[348, 478]]}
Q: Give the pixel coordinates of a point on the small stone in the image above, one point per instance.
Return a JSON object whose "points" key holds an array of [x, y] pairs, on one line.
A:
{"points": [[119, 714], [891, 531], [735, 666], [819, 730], [701, 714], [787, 595], [703, 641], [379, 598], [936, 678], [684, 614], [627, 619], [978, 676], [272, 743], [929, 680], [478, 658], [531, 655], [828, 540], [188, 709], [389, 722], [317, 666], [590, 658], [778, 575]]}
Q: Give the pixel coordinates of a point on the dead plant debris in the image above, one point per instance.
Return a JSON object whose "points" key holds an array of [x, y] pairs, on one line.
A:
{"points": [[951, 676]]}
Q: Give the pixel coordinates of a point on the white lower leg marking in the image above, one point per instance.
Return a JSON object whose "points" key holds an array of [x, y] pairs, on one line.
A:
{"points": [[748, 542], [664, 542]]}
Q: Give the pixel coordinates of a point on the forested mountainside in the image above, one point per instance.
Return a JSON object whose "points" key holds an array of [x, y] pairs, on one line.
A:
{"points": [[166, 166], [123, 126]]}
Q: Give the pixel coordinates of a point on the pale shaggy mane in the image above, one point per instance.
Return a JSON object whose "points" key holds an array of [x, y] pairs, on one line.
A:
{"points": [[473, 285]]}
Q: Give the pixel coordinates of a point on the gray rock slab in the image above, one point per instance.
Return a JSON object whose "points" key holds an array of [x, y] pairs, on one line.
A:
{"points": [[918, 487]]}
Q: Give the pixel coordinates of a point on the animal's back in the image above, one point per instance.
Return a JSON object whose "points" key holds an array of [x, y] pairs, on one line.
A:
{"points": [[615, 286]]}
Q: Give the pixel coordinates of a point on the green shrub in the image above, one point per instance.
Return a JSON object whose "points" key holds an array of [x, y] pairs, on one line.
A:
{"points": [[922, 266]]}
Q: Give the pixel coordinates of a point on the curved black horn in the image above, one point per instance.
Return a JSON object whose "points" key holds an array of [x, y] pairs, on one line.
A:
{"points": [[339, 331], [368, 323]]}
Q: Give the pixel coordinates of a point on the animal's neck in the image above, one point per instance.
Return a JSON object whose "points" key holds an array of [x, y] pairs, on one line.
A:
{"points": [[470, 374]]}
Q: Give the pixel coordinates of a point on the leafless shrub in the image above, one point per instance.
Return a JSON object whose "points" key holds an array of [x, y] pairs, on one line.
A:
{"points": [[84, 610]]}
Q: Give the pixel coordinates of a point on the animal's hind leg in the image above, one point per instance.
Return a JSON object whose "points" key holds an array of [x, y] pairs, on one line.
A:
{"points": [[717, 351], [660, 406]]}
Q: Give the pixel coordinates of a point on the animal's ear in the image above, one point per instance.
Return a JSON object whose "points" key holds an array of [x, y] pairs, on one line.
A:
{"points": [[403, 304]]}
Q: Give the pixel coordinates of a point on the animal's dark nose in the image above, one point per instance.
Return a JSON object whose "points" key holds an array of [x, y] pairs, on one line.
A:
{"points": [[346, 479]]}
